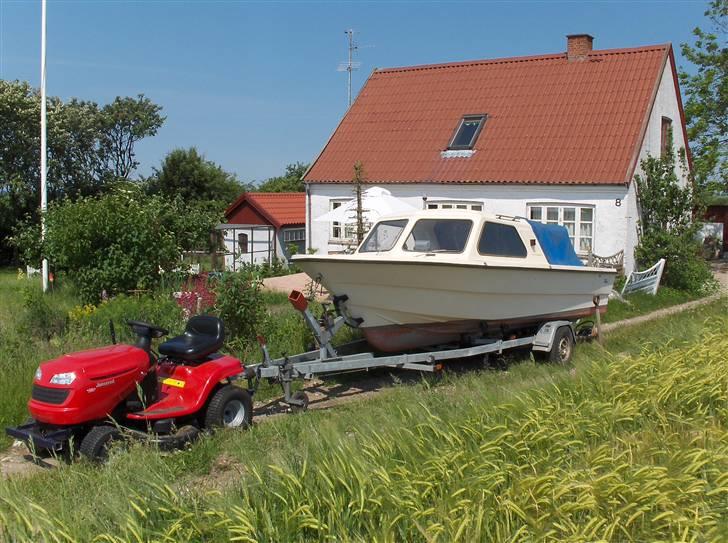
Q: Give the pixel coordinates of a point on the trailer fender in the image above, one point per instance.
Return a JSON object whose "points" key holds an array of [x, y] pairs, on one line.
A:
{"points": [[544, 338]]}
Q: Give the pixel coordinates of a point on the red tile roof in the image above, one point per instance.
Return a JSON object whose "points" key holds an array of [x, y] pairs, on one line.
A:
{"points": [[550, 120], [279, 208]]}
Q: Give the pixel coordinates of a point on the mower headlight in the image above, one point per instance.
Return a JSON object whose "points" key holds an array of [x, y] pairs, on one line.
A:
{"points": [[38, 374], [63, 378]]}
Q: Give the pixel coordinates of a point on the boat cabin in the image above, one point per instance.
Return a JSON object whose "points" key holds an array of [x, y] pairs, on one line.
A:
{"points": [[467, 236]]}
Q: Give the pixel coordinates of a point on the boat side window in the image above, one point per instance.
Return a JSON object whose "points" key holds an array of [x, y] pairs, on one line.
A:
{"points": [[501, 240], [383, 236], [439, 236]]}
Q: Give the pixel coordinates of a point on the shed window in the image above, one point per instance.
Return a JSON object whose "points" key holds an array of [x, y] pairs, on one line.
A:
{"points": [[501, 240], [439, 236], [242, 243], [294, 234], [665, 136], [467, 132]]}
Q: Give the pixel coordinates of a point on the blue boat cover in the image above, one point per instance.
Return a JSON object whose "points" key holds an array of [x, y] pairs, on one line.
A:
{"points": [[556, 245]]}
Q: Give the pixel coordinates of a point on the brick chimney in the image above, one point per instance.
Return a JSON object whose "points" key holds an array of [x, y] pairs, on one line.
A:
{"points": [[578, 46]]}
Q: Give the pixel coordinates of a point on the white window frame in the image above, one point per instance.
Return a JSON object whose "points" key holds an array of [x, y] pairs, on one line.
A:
{"points": [[460, 205], [576, 239], [294, 234], [339, 233]]}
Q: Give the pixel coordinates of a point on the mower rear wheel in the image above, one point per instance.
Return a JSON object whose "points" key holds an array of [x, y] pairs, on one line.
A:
{"points": [[95, 445], [229, 407]]}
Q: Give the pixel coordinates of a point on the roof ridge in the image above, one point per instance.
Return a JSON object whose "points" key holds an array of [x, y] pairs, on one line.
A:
{"points": [[517, 59], [289, 193]]}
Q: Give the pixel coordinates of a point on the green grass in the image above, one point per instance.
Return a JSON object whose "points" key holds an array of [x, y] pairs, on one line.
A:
{"points": [[640, 303], [629, 443]]}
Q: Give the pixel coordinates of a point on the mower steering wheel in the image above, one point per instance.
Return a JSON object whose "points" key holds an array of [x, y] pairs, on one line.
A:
{"points": [[144, 328]]}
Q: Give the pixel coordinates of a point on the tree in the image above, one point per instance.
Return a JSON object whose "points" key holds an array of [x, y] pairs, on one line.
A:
{"points": [[82, 155], [125, 121], [118, 241], [187, 174], [668, 212], [358, 191], [706, 107], [291, 181]]}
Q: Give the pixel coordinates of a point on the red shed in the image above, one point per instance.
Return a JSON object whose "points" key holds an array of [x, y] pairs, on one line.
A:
{"points": [[263, 226]]}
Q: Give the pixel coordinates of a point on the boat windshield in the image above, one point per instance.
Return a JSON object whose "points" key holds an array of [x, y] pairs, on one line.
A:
{"points": [[439, 236], [383, 236]]}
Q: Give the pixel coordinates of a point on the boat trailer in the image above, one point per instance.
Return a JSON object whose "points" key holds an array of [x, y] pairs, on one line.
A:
{"points": [[554, 337]]}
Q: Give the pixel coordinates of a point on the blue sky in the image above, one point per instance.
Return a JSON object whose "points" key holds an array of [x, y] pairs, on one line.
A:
{"points": [[254, 85]]}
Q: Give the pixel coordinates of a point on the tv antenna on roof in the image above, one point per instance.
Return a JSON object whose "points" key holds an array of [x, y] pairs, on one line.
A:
{"points": [[351, 64]]}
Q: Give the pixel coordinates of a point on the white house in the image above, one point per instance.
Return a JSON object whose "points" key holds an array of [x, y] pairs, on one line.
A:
{"points": [[557, 138]]}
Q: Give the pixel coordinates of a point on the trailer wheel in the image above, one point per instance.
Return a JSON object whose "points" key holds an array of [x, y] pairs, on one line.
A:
{"points": [[229, 407], [300, 396], [563, 348], [95, 445]]}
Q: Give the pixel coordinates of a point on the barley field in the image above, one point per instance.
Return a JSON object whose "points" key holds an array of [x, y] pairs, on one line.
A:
{"points": [[628, 444]]}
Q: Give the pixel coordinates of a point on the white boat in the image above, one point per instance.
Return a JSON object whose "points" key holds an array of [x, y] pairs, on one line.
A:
{"points": [[440, 276]]}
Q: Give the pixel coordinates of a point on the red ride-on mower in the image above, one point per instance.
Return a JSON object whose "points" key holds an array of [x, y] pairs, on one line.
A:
{"points": [[91, 397]]}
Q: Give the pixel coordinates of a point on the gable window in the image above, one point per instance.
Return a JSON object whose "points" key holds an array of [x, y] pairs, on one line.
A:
{"points": [[577, 219], [467, 132], [501, 240], [665, 135], [242, 243]]}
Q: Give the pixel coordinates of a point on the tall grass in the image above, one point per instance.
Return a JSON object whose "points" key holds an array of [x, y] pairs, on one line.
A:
{"points": [[629, 444]]}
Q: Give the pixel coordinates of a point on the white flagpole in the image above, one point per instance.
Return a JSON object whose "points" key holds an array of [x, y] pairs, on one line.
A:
{"points": [[43, 143]]}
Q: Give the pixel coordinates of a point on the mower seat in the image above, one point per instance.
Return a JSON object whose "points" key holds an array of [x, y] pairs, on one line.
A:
{"points": [[203, 336]]}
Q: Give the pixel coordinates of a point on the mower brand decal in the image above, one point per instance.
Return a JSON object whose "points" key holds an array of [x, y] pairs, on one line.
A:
{"points": [[105, 383], [173, 382]]}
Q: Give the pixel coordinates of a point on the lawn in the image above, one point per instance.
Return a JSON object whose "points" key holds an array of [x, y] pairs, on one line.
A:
{"points": [[628, 443]]}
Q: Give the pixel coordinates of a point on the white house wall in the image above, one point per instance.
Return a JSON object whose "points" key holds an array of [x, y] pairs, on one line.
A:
{"points": [[666, 105], [610, 228]]}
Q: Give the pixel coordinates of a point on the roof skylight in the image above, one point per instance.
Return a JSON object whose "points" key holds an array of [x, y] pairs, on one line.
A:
{"points": [[467, 132]]}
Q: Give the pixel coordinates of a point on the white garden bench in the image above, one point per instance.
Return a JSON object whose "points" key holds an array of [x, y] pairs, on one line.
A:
{"points": [[644, 281]]}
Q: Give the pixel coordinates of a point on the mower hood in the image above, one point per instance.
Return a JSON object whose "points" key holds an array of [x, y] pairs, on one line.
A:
{"points": [[96, 364]]}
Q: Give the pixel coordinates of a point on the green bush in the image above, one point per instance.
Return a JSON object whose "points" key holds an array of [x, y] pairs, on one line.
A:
{"points": [[240, 304], [685, 268], [119, 241]]}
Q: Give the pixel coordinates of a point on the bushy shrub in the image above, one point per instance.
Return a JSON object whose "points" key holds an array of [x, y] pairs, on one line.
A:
{"points": [[685, 268], [240, 304], [119, 241]]}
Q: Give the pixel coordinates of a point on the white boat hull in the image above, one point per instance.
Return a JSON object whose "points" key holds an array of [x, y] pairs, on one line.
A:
{"points": [[412, 304]]}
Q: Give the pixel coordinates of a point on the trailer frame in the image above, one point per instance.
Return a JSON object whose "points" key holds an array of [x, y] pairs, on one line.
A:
{"points": [[326, 359]]}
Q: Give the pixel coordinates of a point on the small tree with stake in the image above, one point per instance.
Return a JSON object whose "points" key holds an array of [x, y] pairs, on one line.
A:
{"points": [[669, 222], [358, 190]]}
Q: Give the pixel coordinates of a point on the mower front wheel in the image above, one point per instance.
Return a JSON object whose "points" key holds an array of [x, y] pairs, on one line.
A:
{"points": [[95, 445], [229, 407]]}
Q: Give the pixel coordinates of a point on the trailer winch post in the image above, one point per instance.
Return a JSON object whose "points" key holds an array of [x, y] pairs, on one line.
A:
{"points": [[323, 335]]}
